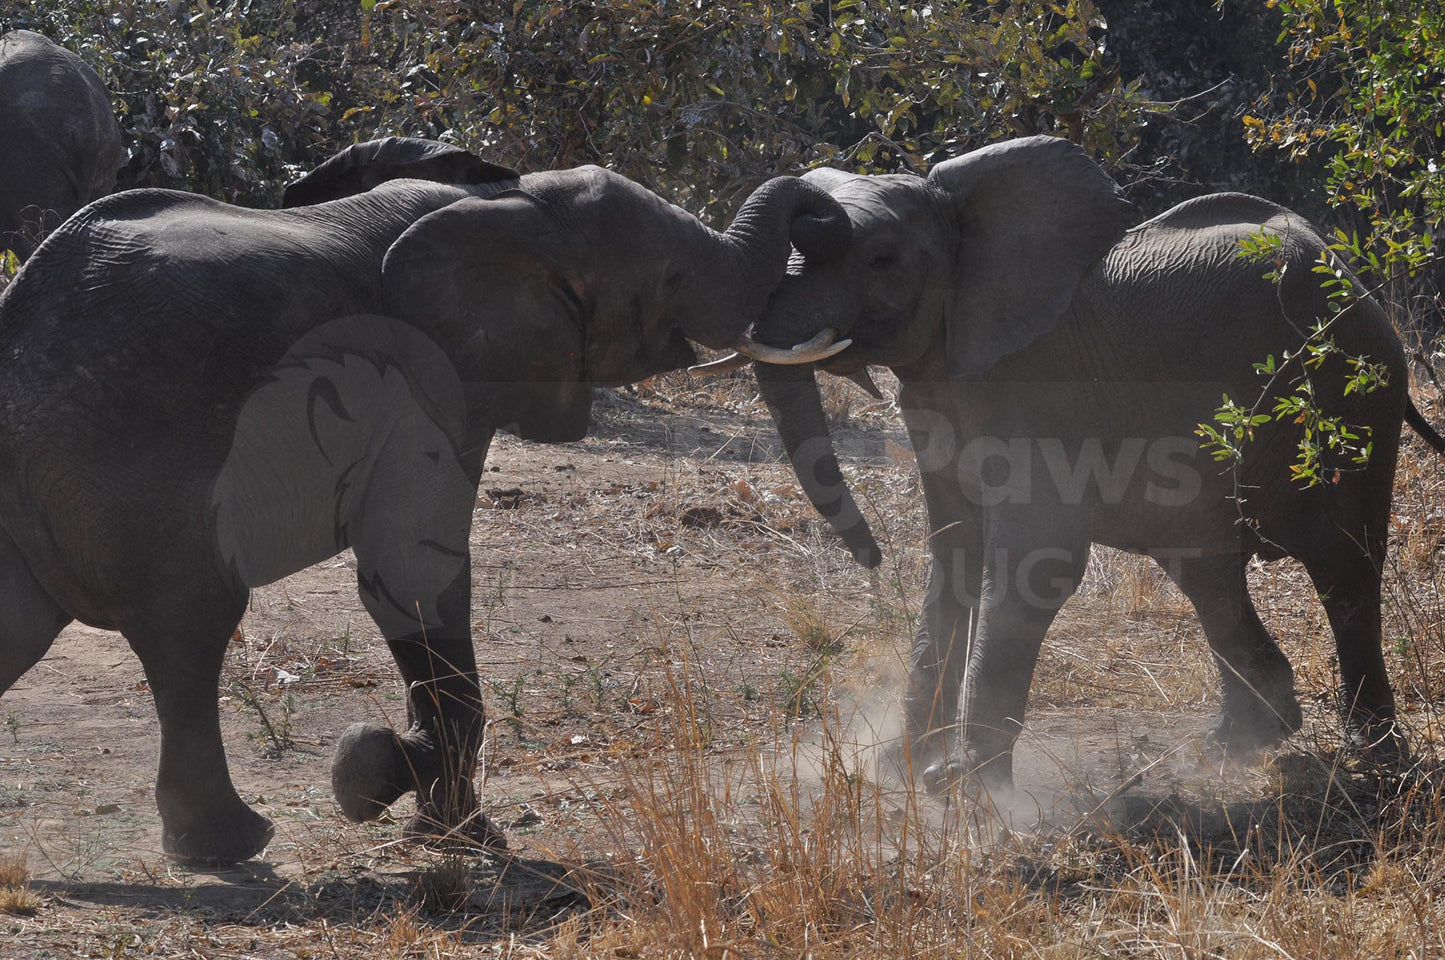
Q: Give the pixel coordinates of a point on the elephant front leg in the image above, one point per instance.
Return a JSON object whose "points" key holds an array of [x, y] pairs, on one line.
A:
{"points": [[940, 646], [436, 755], [940, 652], [414, 578], [1025, 582]]}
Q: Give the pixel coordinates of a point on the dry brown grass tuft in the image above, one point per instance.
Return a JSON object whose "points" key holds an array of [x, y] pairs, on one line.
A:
{"points": [[16, 897], [444, 887], [409, 934]]}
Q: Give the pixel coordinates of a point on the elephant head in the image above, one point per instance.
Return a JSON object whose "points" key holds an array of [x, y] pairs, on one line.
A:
{"points": [[944, 277], [362, 166], [581, 278]]}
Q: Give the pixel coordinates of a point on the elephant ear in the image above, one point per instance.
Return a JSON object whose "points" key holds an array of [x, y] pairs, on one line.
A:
{"points": [[1034, 216], [362, 166], [494, 282]]}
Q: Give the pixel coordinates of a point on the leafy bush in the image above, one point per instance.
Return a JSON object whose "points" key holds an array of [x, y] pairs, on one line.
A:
{"points": [[207, 97], [699, 101], [1368, 102], [702, 101]]}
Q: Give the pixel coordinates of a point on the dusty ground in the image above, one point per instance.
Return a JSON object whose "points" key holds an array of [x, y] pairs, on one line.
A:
{"points": [[667, 563]]}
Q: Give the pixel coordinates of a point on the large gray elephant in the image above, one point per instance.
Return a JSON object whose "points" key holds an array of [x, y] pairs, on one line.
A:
{"points": [[61, 147], [1054, 364], [198, 398]]}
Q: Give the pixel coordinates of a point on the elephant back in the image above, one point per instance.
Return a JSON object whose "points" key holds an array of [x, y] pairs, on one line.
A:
{"points": [[363, 166], [142, 325], [1167, 292], [133, 342]]}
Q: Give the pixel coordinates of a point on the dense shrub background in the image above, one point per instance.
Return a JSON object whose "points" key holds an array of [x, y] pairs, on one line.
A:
{"points": [[699, 100], [702, 100]]}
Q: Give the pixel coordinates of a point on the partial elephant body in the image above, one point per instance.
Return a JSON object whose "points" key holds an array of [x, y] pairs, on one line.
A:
{"points": [[1054, 367], [203, 332], [1099, 414], [199, 398], [62, 145], [144, 455]]}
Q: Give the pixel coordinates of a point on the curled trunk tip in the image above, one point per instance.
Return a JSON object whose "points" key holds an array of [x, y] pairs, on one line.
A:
{"points": [[792, 396]]}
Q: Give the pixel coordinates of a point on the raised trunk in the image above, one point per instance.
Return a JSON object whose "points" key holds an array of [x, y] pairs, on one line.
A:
{"points": [[793, 399], [781, 213]]}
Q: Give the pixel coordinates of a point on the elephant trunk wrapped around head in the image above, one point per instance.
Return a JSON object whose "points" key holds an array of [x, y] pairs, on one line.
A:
{"points": [[934, 312]]}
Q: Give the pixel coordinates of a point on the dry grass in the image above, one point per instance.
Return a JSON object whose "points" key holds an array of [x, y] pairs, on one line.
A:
{"points": [[16, 898], [708, 815], [804, 846], [798, 849]]}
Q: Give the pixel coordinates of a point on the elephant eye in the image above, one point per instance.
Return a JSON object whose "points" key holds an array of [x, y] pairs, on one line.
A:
{"points": [[884, 259], [674, 277]]}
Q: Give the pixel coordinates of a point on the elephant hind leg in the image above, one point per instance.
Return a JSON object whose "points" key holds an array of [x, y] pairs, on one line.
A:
{"points": [[1348, 583], [1341, 538], [204, 820], [1259, 704], [29, 618]]}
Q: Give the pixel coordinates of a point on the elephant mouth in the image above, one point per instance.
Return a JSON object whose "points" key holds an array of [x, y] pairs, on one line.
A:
{"points": [[677, 352], [605, 367]]}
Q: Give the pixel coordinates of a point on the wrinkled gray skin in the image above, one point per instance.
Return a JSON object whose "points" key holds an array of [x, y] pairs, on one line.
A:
{"points": [[61, 145], [198, 398], [1054, 364]]}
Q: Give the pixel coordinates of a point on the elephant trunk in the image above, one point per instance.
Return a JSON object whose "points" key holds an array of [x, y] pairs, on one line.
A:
{"points": [[796, 405], [783, 212]]}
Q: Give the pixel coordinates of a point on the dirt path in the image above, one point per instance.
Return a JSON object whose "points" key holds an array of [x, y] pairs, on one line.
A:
{"points": [[666, 563]]}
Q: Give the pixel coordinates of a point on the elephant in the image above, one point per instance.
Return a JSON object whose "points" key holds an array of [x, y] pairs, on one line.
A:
{"points": [[198, 398], [62, 145], [1055, 359]]}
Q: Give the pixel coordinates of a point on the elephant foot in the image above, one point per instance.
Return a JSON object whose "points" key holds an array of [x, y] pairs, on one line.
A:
{"points": [[475, 832], [991, 778], [369, 772], [372, 769], [1250, 721], [219, 842], [1380, 742]]}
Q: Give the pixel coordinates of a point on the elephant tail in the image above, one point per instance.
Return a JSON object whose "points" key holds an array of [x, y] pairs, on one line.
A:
{"points": [[1420, 425]]}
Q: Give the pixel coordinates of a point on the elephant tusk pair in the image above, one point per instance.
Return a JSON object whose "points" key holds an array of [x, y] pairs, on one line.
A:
{"points": [[735, 361], [821, 347]]}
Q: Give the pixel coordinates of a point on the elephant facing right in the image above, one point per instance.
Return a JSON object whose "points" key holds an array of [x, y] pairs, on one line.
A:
{"points": [[1056, 362]]}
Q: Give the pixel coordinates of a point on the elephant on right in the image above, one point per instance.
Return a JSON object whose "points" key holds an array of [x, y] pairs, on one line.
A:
{"points": [[1055, 362], [62, 146]]}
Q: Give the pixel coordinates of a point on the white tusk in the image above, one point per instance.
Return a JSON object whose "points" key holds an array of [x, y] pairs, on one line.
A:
{"points": [[712, 368], [821, 347]]}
